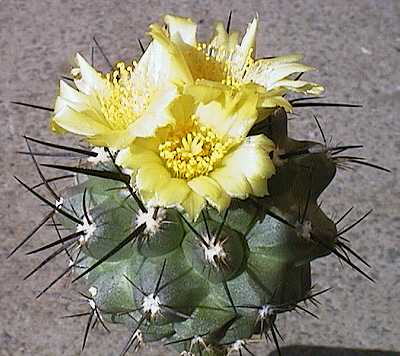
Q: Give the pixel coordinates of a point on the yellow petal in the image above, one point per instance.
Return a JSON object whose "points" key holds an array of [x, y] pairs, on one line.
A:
{"points": [[252, 159], [245, 51], [181, 109], [173, 192], [232, 118], [181, 29], [288, 58], [69, 97], [275, 101], [125, 158], [144, 157], [205, 91], [150, 179], [115, 139], [232, 181], [249, 40], [79, 123], [156, 115], [56, 128], [163, 61], [73, 95], [62, 103], [267, 74], [211, 191], [246, 169], [300, 86], [224, 40], [193, 205], [90, 80], [77, 98], [139, 153], [148, 143]]}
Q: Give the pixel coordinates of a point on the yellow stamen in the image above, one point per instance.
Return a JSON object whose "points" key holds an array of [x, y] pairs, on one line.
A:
{"points": [[195, 153], [125, 102], [219, 64]]}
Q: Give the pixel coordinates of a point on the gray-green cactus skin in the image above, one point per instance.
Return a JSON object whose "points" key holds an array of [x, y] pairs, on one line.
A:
{"points": [[208, 286]]}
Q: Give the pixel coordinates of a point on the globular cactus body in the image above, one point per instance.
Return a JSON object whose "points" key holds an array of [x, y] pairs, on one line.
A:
{"points": [[175, 235], [209, 282]]}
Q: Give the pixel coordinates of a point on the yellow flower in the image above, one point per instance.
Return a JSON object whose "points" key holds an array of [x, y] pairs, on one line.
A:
{"points": [[223, 60], [204, 157], [113, 109]]}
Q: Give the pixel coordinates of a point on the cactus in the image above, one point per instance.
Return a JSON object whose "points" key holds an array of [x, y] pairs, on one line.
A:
{"points": [[205, 283]]}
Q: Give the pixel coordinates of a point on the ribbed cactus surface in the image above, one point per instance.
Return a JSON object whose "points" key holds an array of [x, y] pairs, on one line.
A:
{"points": [[205, 286]]}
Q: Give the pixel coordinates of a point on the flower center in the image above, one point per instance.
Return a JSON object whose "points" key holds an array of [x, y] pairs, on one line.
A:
{"points": [[126, 101], [195, 153]]}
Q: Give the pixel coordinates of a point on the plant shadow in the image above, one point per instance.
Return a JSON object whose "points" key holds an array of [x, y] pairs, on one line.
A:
{"points": [[330, 351]]}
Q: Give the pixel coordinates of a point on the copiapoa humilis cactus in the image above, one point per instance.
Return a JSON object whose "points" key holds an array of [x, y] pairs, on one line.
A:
{"points": [[193, 217]]}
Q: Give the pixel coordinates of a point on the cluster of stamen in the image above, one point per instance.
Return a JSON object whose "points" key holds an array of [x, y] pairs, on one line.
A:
{"points": [[126, 100], [222, 64], [195, 153]]}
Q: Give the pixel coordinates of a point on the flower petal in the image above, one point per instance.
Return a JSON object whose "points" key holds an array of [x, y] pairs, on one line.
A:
{"points": [[267, 74], [78, 122], [249, 40], [139, 153], [150, 179], [76, 98], [156, 115], [233, 117], [275, 101], [114, 139], [182, 109], [173, 192], [181, 29], [224, 40], [209, 189], [125, 158], [148, 143], [69, 97], [288, 58], [162, 62], [205, 91], [193, 205], [232, 181], [246, 169], [90, 80], [300, 86]]}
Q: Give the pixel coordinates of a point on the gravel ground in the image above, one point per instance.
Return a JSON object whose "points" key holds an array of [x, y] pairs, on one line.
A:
{"points": [[355, 44]]}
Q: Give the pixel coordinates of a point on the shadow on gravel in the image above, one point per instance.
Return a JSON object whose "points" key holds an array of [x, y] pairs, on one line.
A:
{"points": [[330, 351]]}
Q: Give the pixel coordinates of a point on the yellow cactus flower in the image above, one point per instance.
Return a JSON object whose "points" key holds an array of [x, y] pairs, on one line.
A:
{"points": [[223, 60], [204, 157], [112, 110]]}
